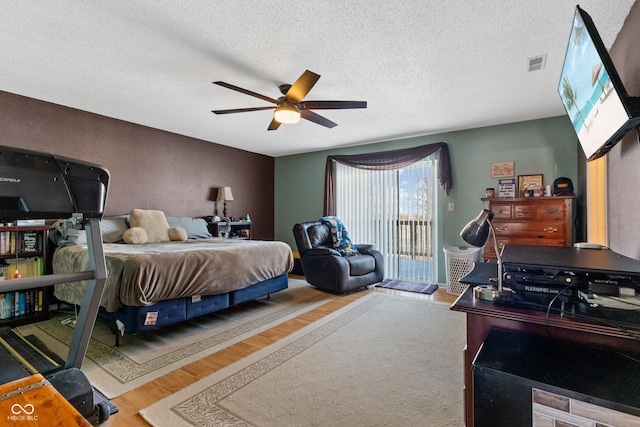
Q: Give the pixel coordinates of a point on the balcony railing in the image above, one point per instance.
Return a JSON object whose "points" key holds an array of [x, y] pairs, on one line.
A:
{"points": [[415, 238]]}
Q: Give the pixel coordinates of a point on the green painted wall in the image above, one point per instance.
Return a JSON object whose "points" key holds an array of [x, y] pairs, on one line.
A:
{"points": [[546, 146]]}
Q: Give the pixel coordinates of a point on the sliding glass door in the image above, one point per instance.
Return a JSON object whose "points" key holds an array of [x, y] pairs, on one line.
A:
{"points": [[394, 210]]}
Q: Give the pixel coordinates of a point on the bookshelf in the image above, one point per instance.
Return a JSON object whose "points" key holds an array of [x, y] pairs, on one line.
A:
{"points": [[23, 253]]}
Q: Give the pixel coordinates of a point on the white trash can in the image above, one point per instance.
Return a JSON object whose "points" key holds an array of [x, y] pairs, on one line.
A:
{"points": [[459, 263]]}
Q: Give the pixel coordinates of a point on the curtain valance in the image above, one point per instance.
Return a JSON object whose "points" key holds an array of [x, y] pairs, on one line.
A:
{"points": [[387, 160]]}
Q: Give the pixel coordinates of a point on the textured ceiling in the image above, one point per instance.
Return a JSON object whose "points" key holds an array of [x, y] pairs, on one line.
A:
{"points": [[424, 67]]}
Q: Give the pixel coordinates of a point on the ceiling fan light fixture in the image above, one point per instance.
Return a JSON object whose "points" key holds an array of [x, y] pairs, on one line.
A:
{"points": [[287, 114], [290, 107]]}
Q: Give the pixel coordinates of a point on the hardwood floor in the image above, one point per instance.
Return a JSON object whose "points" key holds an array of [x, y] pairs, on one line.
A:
{"points": [[130, 403]]}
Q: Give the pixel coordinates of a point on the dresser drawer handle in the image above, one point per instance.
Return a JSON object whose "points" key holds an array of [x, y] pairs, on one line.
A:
{"points": [[501, 228], [551, 229], [551, 210]]}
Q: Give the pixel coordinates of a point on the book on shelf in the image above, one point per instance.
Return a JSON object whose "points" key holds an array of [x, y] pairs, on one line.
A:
{"points": [[3, 306], [19, 241], [22, 255], [24, 267], [29, 241], [21, 299], [29, 222], [8, 242], [20, 303]]}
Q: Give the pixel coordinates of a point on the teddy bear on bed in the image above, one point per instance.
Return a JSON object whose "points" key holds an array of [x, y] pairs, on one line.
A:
{"points": [[150, 226]]}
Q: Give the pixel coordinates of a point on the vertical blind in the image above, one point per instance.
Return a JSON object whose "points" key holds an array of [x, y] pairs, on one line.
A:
{"points": [[394, 210]]}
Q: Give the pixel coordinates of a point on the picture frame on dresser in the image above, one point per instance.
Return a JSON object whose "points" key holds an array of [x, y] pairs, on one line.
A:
{"points": [[507, 187], [524, 181]]}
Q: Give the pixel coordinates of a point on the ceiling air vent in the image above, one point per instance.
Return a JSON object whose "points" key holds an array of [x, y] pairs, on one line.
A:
{"points": [[537, 62]]}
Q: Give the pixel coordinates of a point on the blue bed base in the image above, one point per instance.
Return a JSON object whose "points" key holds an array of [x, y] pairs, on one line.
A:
{"points": [[132, 320]]}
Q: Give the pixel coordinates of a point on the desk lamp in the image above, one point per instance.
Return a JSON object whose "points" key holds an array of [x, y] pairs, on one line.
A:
{"points": [[476, 233]]}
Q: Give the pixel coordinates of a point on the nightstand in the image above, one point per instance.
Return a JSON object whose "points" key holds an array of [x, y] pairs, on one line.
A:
{"points": [[232, 230]]}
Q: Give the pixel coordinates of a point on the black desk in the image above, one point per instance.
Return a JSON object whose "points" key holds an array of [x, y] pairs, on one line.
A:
{"points": [[482, 316], [520, 377]]}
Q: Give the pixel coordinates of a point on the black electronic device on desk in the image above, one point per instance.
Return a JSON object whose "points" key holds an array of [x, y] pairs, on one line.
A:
{"points": [[595, 282]]}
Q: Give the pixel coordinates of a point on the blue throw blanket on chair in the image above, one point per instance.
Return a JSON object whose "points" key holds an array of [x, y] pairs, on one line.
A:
{"points": [[341, 241]]}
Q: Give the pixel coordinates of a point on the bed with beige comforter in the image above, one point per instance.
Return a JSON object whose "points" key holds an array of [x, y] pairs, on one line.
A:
{"points": [[143, 275]]}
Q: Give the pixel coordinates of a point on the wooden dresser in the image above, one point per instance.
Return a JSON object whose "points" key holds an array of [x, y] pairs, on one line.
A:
{"points": [[537, 221]]}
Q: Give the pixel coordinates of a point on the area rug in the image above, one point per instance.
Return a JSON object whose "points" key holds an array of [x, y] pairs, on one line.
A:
{"points": [[145, 357], [383, 360], [403, 285]]}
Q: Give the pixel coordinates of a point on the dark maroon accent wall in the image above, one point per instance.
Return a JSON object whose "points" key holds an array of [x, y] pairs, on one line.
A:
{"points": [[150, 168]]}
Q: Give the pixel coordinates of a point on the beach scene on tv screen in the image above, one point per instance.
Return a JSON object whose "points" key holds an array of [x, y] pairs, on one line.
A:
{"points": [[588, 94]]}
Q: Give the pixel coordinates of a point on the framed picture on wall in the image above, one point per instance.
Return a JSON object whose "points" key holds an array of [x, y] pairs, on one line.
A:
{"points": [[502, 169], [528, 182]]}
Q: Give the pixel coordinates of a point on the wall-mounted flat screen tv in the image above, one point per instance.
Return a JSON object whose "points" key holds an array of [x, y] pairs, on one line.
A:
{"points": [[597, 103]]}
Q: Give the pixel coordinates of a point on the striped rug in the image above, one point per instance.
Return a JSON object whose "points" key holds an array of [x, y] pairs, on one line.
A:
{"points": [[403, 285]]}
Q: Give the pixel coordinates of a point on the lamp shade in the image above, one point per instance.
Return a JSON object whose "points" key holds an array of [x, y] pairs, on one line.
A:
{"points": [[476, 233], [224, 194], [287, 114]]}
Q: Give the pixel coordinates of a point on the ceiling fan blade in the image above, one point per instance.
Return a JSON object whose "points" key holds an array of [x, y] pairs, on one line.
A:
{"points": [[274, 125], [246, 92], [302, 86], [317, 118], [241, 110], [333, 105]]}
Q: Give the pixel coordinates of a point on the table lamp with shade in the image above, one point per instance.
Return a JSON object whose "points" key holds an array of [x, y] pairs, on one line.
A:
{"points": [[224, 195], [476, 233]]}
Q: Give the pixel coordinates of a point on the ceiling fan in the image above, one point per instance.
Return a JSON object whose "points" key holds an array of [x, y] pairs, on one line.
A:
{"points": [[290, 107]]}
